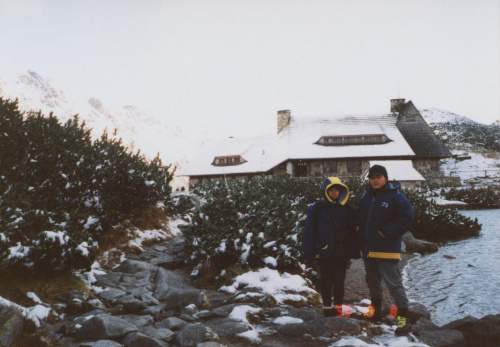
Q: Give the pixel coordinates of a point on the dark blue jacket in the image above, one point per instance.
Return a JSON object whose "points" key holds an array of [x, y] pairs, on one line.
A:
{"points": [[330, 225], [384, 215]]}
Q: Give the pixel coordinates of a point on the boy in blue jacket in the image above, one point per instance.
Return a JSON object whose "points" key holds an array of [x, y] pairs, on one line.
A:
{"points": [[384, 215], [328, 238]]}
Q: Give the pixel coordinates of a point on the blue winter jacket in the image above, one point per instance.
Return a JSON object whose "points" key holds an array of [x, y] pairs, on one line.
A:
{"points": [[330, 225], [384, 215]]}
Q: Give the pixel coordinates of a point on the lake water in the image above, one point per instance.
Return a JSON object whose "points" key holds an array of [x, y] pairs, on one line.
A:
{"points": [[463, 277]]}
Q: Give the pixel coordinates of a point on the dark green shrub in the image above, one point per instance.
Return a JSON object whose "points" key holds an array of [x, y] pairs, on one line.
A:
{"points": [[261, 221], [476, 198], [54, 180]]}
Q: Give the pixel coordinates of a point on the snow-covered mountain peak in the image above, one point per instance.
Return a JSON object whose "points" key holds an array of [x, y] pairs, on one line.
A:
{"points": [[138, 130], [436, 115]]}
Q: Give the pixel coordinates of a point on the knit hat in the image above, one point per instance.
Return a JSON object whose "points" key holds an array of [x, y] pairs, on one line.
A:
{"points": [[378, 170]]}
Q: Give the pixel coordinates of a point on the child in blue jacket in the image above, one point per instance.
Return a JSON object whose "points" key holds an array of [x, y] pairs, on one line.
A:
{"points": [[328, 238]]}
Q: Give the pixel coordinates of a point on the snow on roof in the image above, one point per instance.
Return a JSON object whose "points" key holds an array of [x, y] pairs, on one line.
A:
{"points": [[298, 141], [303, 133], [261, 153], [398, 170]]}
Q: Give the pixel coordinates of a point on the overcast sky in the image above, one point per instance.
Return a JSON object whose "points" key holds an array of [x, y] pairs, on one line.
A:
{"points": [[226, 67]]}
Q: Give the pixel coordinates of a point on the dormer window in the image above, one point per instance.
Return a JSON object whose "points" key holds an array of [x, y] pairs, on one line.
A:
{"points": [[228, 160], [349, 140]]}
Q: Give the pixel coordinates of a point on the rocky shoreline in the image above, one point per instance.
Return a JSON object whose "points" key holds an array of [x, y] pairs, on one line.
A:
{"points": [[151, 300]]}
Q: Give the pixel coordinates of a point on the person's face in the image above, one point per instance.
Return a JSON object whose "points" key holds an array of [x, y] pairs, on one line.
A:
{"points": [[333, 193], [377, 181]]}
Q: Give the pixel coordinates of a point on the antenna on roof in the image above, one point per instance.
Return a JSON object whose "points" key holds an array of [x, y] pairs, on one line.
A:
{"points": [[398, 89]]}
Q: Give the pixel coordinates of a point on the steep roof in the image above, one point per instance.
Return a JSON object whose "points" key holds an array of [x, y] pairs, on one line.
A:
{"points": [[419, 135], [298, 140]]}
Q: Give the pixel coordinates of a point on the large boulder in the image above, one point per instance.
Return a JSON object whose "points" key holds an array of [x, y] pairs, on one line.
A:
{"points": [[416, 311], [192, 335], [485, 332], [413, 245], [104, 327], [464, 325], [443, 338], [11, 325], [227, 327], [140, 340]]}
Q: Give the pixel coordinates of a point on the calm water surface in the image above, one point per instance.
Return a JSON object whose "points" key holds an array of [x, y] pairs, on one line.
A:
{"points": [[462, 278]]}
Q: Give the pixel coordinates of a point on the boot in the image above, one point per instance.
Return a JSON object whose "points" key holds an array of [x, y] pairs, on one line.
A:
{"points": [[329, 311], [338, 310], [375, 313], [404, 326]]}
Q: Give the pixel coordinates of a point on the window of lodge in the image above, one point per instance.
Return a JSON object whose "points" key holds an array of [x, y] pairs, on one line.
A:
{"points": [[228, 160], [353, 140]]}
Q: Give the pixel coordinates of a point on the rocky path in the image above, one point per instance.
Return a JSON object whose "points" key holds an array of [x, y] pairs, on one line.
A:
{"points": [[150, 300]]}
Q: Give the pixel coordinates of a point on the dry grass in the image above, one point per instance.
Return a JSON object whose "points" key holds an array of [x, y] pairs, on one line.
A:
{"points": [[16, 286], [210, 276], [153, 217]]}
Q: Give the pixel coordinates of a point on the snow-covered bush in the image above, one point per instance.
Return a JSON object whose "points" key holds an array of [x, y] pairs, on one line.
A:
{"points": [[255, 222], [476, 198], [260, 222], [55, 180]]}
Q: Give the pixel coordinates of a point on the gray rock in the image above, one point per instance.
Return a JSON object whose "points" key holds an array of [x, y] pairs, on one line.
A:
{"points": [[485, 332], [104, 327], [139, 320], [93, 304], [225, 310], [152, 310], [210, 344], [149, 299], [464, 325], [140, 340], [172, 323], [187, 318], [76, 324], [107, 281], [417, 311], [304, 313], [423, 325], [11, 325], [192, 334], [111, 295], [160, 287], [101, 343], [326, 327], [227, 327], [413, 245], [131, 304], [132, 266], [163, 334], [180, 297], [443, 338]]}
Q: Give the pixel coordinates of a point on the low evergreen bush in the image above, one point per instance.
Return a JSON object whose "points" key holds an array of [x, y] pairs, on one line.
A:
{"points": [[476, 198], [60, 192], [261, 221]]}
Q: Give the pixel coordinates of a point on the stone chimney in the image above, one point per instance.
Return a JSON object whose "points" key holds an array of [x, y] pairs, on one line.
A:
{"points": [[283, 119], [397, 105]]}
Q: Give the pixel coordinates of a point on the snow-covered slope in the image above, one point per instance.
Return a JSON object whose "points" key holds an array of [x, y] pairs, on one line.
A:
{"points": [[467, 138], [138, 130]]}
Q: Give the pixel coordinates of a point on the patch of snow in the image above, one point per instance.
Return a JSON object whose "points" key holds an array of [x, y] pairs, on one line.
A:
{"points": [[270, 282], [240, 312], [284, 320]]}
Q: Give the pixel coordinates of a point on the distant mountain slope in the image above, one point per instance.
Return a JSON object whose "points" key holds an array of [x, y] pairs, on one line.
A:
{"points": [[462, 133], [467, 138], [137, 129]]}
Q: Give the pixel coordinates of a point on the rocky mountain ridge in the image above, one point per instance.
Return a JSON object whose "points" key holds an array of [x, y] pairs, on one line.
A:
{"points": [[137, 129]]}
